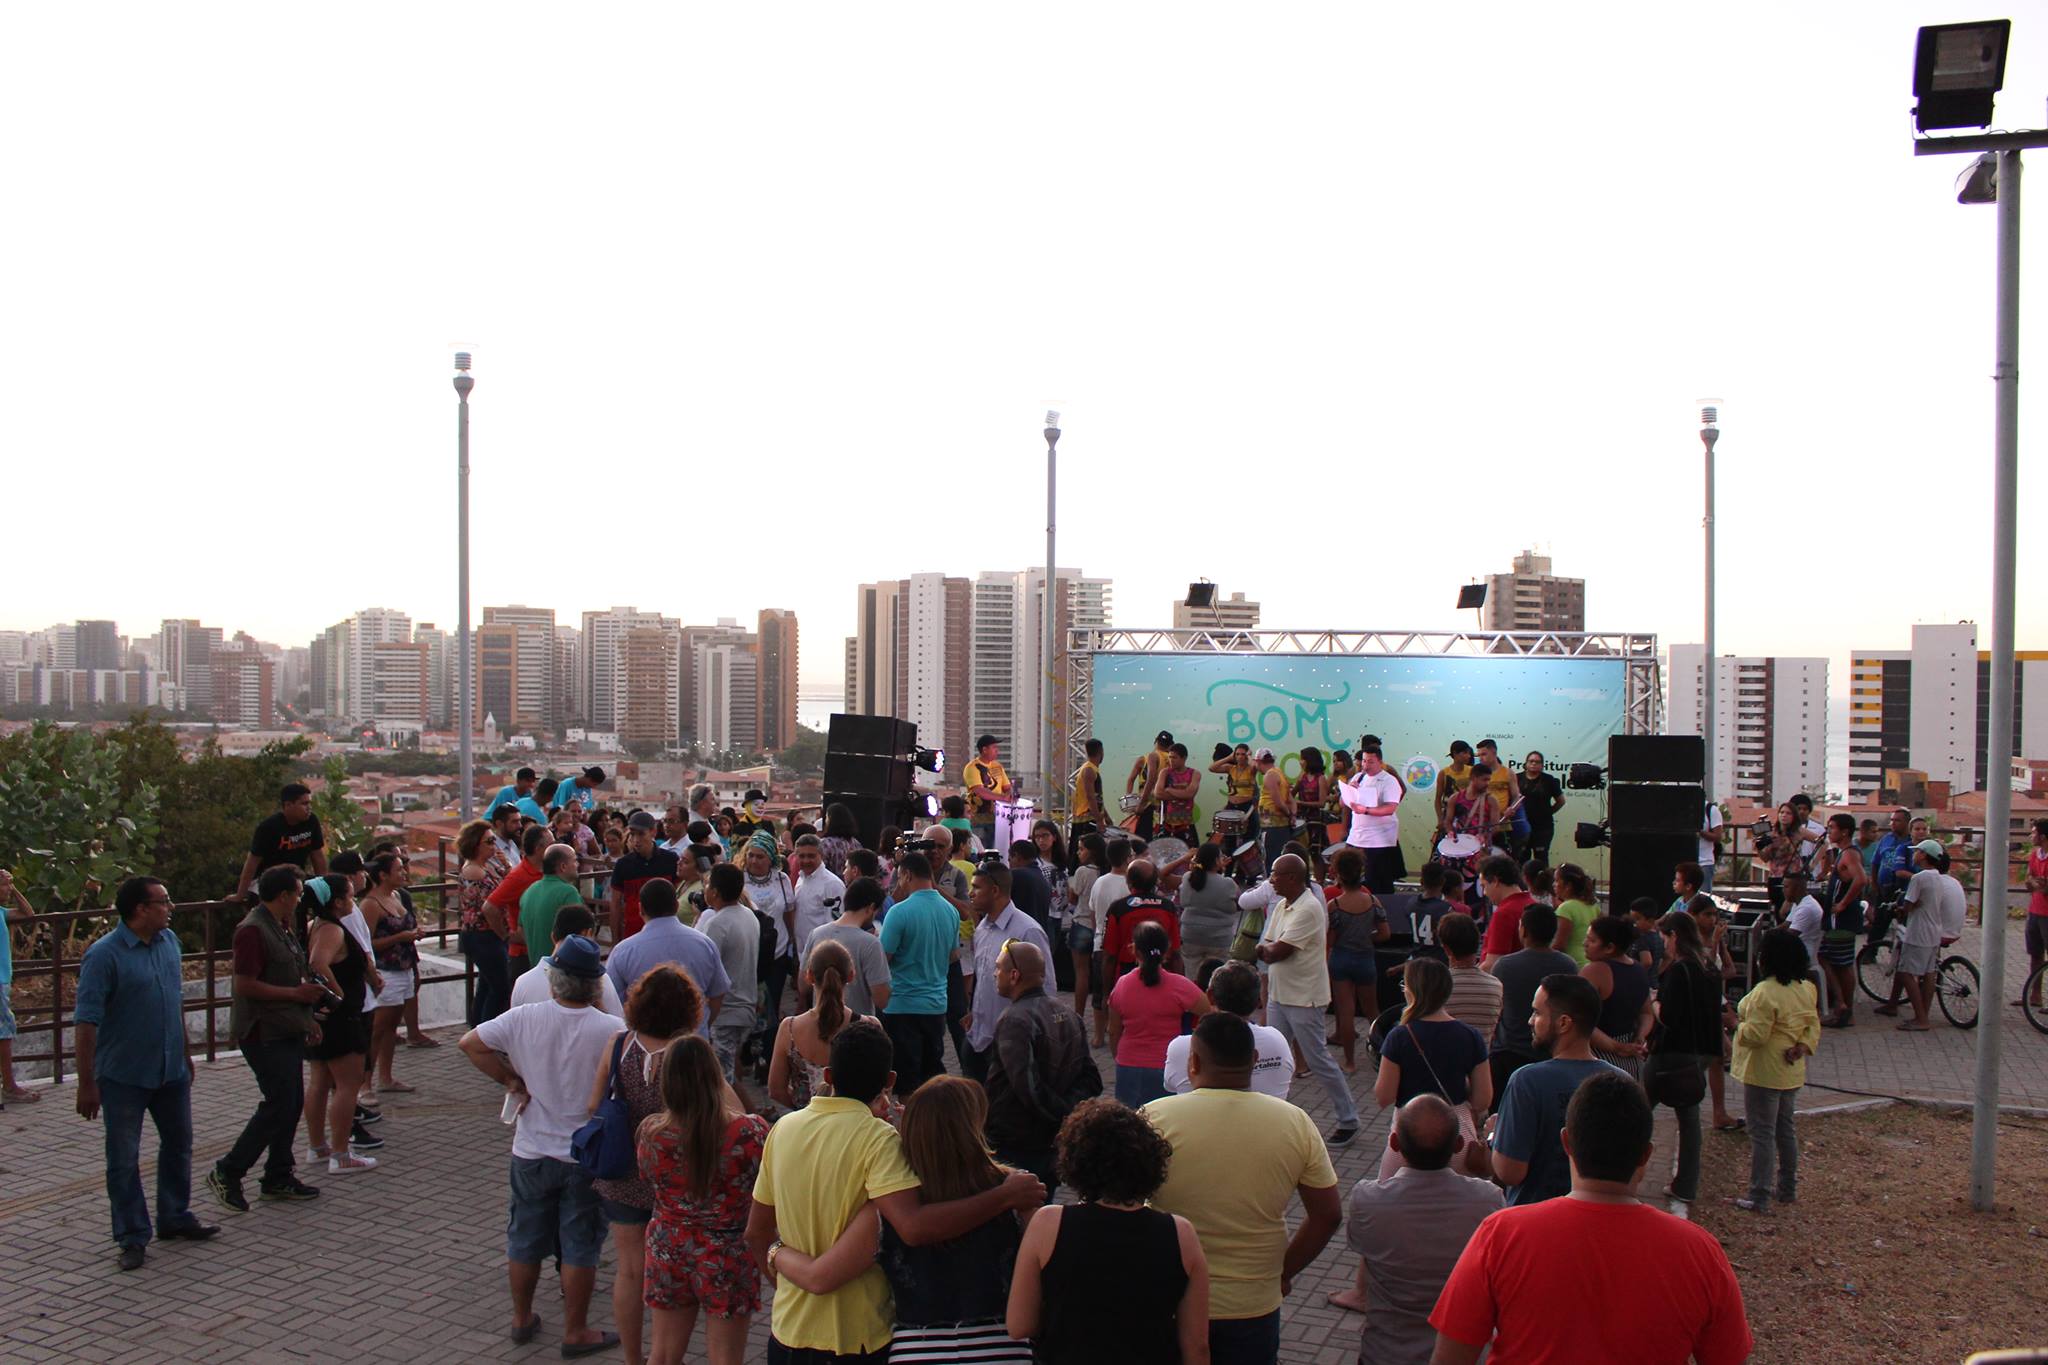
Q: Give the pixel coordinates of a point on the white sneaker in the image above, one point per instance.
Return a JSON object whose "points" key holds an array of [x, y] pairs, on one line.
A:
{"points": [[351, 1164], [316, 1155]]}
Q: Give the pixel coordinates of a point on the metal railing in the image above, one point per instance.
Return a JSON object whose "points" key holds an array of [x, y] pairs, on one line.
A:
{"points": [[217, 922]]}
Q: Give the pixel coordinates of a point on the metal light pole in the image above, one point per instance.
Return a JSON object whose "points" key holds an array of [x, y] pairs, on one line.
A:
{"points": [[1048, 765], [464, 382], [1710, 432]]}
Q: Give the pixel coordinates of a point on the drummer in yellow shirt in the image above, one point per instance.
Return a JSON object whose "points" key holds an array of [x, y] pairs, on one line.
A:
{"points": [[986, 784]]}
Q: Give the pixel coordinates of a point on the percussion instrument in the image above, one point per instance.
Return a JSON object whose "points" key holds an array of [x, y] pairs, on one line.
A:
{"points": [[1131, 802], [1229, 823], [1459, 845], [1014, 820], [1166, 849]]}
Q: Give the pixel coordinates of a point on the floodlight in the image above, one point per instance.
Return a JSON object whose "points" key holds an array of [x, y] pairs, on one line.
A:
{"points": [[1957, 71], [1589, 836], [1472, 597], [1979, 184], [931, 760], [1202, 594], [1585, 777]]}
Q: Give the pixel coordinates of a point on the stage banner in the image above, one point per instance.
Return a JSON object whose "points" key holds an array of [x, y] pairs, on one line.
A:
{"points": [[1564, 707]]}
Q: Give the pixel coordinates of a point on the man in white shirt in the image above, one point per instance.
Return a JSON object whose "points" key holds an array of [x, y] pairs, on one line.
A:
{"points": [[545, 1055], [816, 902], [532, 987], [1234, 989], [1111, 887], [1374, 800], [1804, 917], [1933, 902], [1298, 977], [1710, 845]]}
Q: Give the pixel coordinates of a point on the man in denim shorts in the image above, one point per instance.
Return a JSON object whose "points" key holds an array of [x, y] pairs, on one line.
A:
{"points": [[544, 1055]]}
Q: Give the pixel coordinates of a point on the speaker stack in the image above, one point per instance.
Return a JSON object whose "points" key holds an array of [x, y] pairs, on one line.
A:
{"points": [[868, 769], [1656, 801]]}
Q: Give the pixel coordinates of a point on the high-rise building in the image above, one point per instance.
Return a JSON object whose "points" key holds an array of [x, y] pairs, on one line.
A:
{"points": [[646, 662], [872, 664], [1929, 708], [934, 665], [63, 647], [775, 710], [244, 685], [1530, 597], [569, 702], [184, 655], [395, 684], [440, 671], [528, 634], [294, 670], [97, 645], [1770, 721], [689, 724], [852, 689], [728, 697], [1008, 681], [344, 667], [1224, 613], [603, 676]]}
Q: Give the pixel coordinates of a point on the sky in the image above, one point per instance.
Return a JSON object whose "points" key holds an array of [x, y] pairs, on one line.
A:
{"points": [[1343, 306]]}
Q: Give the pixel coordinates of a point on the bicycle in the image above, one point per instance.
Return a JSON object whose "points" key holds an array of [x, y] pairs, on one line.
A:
{"points": [[1957, 987], [2037, 1015]]}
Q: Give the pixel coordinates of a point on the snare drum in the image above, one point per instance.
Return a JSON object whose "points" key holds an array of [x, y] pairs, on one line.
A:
{"points": [[1459, 845], [1131, 802], [1229, 823]]}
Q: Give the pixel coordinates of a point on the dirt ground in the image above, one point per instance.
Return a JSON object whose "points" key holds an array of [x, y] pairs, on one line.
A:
{"points": [[1882, 1259]]}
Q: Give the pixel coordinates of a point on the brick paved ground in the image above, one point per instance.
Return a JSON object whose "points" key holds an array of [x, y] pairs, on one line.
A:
{"points": [[404, 1264]]}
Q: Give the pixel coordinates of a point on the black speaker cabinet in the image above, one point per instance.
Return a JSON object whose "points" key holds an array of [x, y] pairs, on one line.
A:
{"points": [[1656, 758], [1641, 864], [865, 775], [851, 734], [1654, 808]]}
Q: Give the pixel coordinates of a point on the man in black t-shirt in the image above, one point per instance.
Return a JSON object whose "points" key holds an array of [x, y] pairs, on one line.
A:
{"points": [[290, 838], [1542, 799], [642, 860]]}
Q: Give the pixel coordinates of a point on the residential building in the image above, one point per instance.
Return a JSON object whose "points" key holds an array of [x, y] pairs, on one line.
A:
{"points": [[441, 670], [728, 697], [691, 726], [601, 666], [1929, 708], [1530, 597], [96, 646], [524, 650], [184, 655], [1008, 681], [1223, 613], [395, 684], [645, 660], [872, 650], [1770, 721], [775, 706], [569, 699], [74, 690], [851, 692], [244, 685], [934, 639]]}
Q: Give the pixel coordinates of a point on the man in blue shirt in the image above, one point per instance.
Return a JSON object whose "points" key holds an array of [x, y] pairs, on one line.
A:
{"points": [[130, 1017], [580, 790], [920, 937], [1528, 1156], [665, 939], [536, 806], [522, 786]]}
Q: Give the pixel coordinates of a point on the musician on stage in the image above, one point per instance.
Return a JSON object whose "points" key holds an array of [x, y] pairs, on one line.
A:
{"points": [[1174, 792], [986, 784], [1144, 776], [1276, 806], [1087, 816], [1374, 799], [1471, 812], [1240, 784]]}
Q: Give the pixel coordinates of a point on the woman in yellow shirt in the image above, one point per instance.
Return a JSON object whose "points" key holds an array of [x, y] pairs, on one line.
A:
{"points": [[1779, 1029]]}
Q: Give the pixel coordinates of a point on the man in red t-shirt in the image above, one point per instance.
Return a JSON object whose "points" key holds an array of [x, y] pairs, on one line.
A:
{"points": [[1143, 906], [2037, 905], [1527, 1265], [1500, 881], [642, 861], [505, 895]]}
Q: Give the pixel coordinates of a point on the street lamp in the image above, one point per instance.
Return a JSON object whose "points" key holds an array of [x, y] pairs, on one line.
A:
{"points": [[1957, 70], [464, 382], [1048, 768], [1710, 432]]}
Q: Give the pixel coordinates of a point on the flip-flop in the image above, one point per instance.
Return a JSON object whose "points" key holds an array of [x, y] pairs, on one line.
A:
{"points": [[1884, 1009], [524, 1332], [424, 1040], [25, 1096], [605, 1341]]}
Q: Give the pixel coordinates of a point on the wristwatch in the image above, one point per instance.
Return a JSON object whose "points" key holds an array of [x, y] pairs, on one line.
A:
{"points": [[773, 1247]]}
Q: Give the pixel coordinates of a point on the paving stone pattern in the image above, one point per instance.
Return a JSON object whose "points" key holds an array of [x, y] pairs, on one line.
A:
{"points": [[405, 1264]]}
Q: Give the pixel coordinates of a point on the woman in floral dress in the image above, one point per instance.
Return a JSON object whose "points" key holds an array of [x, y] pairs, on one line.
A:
{"points": [[700, 1156]]}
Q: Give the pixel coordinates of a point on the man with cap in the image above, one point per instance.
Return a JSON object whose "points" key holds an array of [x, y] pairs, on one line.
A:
{"points": [[1144, 776], [642, 859], [580, 790], [544, 1055], [1933, 901], [986, 784]]}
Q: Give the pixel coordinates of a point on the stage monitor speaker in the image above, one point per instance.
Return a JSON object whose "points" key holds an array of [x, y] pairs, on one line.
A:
{"points": [[888, 779], [1656, 758], [880, 735], [1640, 865], [1655, 808]]}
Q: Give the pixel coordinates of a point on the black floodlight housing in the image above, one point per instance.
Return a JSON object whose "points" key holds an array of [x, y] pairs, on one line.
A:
{"points": [[1957, 71]]}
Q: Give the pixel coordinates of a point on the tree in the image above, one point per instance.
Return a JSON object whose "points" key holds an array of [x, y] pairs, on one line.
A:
{"points": [[806, 754], [72, 829], [340, 818]]}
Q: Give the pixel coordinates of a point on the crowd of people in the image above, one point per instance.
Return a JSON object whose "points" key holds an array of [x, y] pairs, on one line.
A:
{"points": [[759, 1057]]}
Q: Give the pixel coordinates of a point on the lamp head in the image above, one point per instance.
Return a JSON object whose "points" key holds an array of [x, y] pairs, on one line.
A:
{"points": [[464, 380], [1979, 184], [1957, 72], [1710, 419]]}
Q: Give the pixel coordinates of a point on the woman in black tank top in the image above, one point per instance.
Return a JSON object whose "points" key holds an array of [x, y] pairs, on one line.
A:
{"points": [[336, 1072], [1109, 1281], [1621, 1035]]}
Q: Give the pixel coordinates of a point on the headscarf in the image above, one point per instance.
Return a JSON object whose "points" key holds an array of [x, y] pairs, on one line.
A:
{"points": [[764, 841]]}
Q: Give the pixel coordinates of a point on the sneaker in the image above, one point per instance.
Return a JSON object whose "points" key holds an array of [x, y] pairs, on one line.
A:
{"points": [[1748, 1205], [350, 1164], [288, 1188], [368, 1115], [227, 1190], [317, 1156], [1341, 1135], [365, 1139]]}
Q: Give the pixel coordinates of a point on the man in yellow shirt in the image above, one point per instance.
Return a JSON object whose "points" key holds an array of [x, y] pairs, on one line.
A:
{"points": [[986, 784], [820, 1167], [1087, 815], [1145, 771], [1239, 1157]]}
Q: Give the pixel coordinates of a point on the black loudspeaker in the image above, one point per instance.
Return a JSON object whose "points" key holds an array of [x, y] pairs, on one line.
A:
{"points": [[867, 775], [870, 813], [1656, 758], [879, 735], [1640, 865], [1655, 808]]}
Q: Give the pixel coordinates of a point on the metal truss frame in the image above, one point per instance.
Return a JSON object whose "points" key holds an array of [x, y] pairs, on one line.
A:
{"points": [[1643, 709]]}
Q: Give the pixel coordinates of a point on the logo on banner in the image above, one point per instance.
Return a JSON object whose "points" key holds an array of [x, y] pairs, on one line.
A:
{"points": [[1420, 773]]}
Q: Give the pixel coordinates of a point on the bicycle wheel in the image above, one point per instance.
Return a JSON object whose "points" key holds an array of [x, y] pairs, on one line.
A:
{"points": [[1957, 991], [1876, 965], [2037, 1015]]}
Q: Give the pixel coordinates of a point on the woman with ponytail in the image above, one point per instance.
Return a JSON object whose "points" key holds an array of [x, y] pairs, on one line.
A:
{"points": [[339, 962], [803, 1042], [1148, 1009]]}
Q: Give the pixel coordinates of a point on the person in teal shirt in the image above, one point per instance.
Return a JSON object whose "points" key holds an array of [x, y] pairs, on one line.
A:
{"points": [[919, 937], [522, 787]]}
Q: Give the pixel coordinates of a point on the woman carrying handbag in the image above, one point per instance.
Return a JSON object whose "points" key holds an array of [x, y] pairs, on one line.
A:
{"points": [[1688, 1035]]}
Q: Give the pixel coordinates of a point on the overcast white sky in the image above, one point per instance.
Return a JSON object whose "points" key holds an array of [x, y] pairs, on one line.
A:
{"points": [[1344, 306]]}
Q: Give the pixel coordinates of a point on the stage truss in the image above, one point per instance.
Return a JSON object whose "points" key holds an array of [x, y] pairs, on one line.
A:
{"points": [[1643, 714]]}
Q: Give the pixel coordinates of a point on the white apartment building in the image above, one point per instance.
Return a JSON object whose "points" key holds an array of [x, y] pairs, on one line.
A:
{"points": [[602, 666], [1929, 708], [1770, 721]]}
